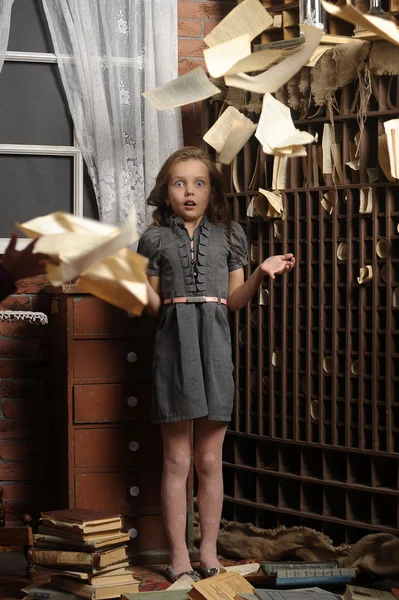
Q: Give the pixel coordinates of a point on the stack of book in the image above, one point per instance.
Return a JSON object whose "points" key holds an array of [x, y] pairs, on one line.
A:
{"points": [[87, 549]]}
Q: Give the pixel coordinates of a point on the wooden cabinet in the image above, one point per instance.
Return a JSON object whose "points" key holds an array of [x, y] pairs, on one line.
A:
{"points": [[107, 454]]}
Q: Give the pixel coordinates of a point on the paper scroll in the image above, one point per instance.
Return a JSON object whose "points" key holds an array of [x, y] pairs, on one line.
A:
{"points": [[190, 87], [229, 134], [383, 156], [95, 253], [366, 274], [392, 132], [277, 76], [248, 17], [366, 201]]}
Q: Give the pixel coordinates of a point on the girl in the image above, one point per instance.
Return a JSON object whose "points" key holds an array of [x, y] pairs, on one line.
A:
{"points": [[195, 274]]}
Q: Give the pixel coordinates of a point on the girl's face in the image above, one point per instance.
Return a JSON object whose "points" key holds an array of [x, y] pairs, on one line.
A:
{"points": [[189, 189]]}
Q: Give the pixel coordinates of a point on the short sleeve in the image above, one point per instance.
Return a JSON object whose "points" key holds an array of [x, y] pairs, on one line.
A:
{"points": [[150, 246], [238, 247]]}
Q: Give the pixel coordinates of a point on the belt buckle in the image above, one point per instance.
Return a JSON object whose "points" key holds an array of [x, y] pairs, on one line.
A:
{"points": [[195, 299]]}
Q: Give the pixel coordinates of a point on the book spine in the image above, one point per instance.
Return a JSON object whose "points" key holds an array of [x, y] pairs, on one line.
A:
{"points": [[60, 558], [313, 581], [272, 568]]}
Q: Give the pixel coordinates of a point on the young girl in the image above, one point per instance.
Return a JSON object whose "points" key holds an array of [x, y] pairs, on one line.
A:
{"points": [[195, 274]]}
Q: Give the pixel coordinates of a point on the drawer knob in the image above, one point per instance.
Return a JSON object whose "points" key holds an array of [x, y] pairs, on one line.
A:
{"points": [[131, 357], [133, 446], [132, 401], [134, 490], [133, 533]]}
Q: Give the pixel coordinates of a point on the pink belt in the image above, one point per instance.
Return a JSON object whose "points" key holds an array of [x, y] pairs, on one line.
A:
{"points": [[194, 300]]}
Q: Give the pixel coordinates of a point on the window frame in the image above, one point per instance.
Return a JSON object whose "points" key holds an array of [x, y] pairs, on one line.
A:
{"points": [[39, 150]]}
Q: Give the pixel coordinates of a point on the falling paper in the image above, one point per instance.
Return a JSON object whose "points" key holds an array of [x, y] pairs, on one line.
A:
{"points": [[190, 87], [276, 130], [221, 58], [384, 28], [277, 76], [280, 168], [95, 253], [326, 144], [258, 61], [229, 134], [248, 17]]}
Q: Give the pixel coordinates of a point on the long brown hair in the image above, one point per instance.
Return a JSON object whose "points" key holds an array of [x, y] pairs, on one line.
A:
{"points": [[218, 209]]}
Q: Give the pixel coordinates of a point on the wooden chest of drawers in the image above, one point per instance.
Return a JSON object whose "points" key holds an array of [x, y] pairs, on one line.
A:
{"points": [[108, 456]]}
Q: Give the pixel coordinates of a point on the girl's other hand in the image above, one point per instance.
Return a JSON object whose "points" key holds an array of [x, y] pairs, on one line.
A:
{"points": [[278, 265]]}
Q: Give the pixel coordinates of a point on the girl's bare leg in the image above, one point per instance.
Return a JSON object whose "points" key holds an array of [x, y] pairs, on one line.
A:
{"points": [[208, 443], [176, 466]]}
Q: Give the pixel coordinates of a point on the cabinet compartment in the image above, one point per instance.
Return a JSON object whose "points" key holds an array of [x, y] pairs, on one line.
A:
{"points": [[92, 316], [113, 359], [129, 493], [112, 402], [136, 447]]}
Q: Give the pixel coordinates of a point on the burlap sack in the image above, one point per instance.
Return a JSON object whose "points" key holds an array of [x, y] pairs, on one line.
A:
{"points": [[244, 540], [336, 68], [377, 553], [384, 58]]}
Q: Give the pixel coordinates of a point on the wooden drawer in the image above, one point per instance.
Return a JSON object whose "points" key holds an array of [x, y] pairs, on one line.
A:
{"points": [[128, 493], [113, 359], [93, 317], [135, 447], [149, 532], [112, 402]]}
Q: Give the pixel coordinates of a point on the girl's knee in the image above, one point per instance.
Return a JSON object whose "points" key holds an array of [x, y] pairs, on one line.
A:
{"points": [[177, 464], [207, 464]]}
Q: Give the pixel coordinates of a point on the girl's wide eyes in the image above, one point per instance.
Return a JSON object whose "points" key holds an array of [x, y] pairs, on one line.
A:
{"points": [[180, 183]]}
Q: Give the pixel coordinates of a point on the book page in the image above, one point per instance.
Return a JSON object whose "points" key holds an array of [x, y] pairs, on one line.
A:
{"points": [[190, 87], [346, 11], [248, 17], [274, 78], [276, 130], [220, 59], [220, 587], [258, 61], [229, 134]]}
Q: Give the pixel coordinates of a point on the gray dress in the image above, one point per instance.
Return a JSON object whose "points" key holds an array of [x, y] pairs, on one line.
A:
{"points": [[193, 369]]}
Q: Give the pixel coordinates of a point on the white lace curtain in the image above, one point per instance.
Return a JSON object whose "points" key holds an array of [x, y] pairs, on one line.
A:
{"points": [[109, 52], [5, 18]]}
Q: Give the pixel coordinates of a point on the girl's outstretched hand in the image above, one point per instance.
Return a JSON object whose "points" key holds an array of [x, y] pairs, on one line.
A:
{"points": [[278, 265]]}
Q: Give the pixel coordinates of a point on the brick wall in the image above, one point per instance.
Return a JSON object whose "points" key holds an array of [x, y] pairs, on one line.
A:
{"points": [[25, 367], [25, 404], [196, 19]]}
